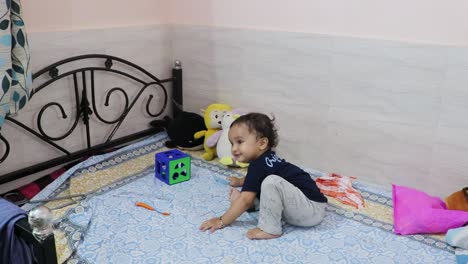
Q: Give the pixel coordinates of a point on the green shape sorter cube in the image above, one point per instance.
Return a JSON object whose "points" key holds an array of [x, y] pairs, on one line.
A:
{"points": [[172, 166]]}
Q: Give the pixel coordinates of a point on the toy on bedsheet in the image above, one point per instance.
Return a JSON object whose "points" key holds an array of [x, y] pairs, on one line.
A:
{"points": [[221, 140], [181, 129], [146, 206], [172, 166], [213, 116]]}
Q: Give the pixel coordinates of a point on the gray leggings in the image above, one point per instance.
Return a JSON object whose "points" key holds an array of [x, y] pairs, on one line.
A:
{"points": [[280, 200]]}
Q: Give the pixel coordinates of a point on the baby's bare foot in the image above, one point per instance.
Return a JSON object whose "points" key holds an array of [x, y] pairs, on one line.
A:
{"points": [[233, 194], [257, 233]]}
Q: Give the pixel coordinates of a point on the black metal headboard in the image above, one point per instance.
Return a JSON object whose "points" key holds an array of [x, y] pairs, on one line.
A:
{"points": [[85, 104]]}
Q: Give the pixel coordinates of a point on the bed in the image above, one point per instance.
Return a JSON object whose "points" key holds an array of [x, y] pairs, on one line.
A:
{"points": [[86, 89], [101, 224]]}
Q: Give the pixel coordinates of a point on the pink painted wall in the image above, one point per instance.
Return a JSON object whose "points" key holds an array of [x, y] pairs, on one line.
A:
{"points": [[66, 15], [429, 21]]}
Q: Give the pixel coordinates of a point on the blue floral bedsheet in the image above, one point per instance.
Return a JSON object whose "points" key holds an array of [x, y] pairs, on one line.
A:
{"points": [[108, 227]]}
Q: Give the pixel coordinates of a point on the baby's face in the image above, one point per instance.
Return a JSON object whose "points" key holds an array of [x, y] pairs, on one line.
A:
{"points": [[245, 144]]}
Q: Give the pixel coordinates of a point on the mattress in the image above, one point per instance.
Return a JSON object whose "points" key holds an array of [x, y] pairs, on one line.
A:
{"points": [[105, 226]]}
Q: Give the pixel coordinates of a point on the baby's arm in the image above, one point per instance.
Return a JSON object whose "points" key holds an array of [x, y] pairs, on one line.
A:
{"points": [[236, 182], [239, 206]]}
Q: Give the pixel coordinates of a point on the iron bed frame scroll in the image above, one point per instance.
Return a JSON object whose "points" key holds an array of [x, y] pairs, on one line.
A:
{"points": [[85, 104], [86, 107]]}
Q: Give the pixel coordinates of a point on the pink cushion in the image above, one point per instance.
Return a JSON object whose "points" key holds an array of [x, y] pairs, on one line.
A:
{"points": [[415, 212]]}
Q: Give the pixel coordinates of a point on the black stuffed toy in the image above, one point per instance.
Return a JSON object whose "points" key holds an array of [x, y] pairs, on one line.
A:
{"points": [[181, 130]]}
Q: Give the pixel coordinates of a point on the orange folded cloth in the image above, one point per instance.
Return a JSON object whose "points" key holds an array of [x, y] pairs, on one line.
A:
{"points": [[341, 188]]}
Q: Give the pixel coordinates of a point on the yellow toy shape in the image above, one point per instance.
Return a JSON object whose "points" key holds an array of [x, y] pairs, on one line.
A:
{"points": [[213, 116]]}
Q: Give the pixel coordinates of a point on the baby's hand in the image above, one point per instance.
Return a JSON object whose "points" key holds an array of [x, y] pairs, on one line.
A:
{"points": [[211, 224], [234, 181]]}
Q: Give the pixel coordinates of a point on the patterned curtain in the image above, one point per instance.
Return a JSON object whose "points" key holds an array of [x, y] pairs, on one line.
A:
{"points": [[15, 71]]}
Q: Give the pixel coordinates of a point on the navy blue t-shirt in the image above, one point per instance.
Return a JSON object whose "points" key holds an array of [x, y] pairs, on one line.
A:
{"points": [[269, 163]]}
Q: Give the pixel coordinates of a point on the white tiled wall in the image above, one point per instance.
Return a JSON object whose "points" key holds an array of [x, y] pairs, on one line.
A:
{"points": [[387, 112]]}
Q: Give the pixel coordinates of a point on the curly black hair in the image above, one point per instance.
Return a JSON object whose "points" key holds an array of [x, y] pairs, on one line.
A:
{"points": [[261, 124]]}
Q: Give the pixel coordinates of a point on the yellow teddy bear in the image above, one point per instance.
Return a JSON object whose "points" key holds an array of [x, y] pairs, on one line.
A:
{"points": [[213, 116]]}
